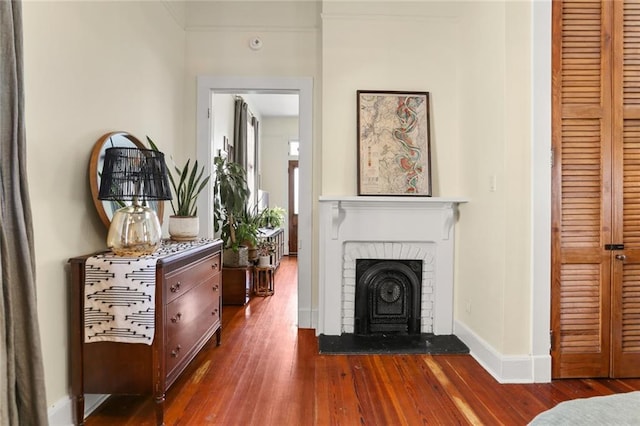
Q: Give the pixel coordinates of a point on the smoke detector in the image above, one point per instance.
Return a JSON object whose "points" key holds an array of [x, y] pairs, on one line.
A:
{"points": [[255, 43]]}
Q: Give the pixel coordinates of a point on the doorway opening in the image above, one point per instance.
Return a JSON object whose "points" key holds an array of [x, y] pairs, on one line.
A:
{"points": [[207, 87]]}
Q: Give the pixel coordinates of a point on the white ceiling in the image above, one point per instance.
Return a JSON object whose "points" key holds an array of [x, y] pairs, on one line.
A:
{"points": [[273, 105]]}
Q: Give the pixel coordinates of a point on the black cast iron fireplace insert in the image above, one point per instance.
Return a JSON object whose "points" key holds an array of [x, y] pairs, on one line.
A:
{"points": [[388, 294]]}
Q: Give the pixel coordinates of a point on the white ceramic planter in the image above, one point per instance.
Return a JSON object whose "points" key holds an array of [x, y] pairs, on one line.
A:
{"points": [[264, 261], [184, 228]]}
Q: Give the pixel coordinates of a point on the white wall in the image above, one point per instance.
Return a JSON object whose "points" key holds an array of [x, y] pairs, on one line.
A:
{"points": [[90, 68], [276, 134], [223, 104]]}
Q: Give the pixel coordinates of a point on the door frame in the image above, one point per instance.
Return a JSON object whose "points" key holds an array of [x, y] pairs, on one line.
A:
{"points": [[541, 157], [291, 201], [303, 86]]}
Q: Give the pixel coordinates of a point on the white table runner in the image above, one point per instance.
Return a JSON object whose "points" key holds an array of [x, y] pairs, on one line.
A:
{"points": [[119, 294]]}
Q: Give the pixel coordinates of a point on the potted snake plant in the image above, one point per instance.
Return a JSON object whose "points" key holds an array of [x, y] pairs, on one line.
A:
{"points": [[187, 184]]}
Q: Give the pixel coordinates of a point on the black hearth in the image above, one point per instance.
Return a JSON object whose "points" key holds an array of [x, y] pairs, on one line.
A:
{"points": [[374, 344], [388, 294]]}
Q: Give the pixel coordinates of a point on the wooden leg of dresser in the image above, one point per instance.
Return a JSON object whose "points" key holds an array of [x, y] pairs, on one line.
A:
{"points": [[78, 408], [160, 409], [218, 336]]}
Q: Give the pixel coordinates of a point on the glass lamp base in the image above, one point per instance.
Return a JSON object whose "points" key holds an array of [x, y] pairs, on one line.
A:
{"points": [[134, 231]]}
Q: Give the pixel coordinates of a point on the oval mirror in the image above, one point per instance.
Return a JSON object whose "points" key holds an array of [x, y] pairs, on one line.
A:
{"points": [[106, 208]]}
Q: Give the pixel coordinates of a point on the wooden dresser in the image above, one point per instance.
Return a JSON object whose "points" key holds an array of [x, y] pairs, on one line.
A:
{"points": [[187, 314]]}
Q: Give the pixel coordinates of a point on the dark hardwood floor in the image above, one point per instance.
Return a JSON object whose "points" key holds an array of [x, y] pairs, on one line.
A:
{"points": [[269, 372]]}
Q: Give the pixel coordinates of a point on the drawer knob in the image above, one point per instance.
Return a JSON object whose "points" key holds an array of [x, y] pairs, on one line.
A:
{"points": [[175, 288], [215, 312], [174, 353], [216, 287], [176, 318], [214, 266]]}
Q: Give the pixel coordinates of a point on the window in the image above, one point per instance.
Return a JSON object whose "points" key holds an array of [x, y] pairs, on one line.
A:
{"points": [[294, 148]]}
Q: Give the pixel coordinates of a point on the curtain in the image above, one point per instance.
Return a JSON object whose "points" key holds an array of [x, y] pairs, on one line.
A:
{"points": [[240, 132], [22, 393], [256, 158]]}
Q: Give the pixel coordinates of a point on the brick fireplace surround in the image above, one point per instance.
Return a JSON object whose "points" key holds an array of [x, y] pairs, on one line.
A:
{"points": [[386, 228]]}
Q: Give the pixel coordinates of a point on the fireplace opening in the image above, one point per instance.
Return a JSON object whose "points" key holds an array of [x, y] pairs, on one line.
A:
{"points": [[387, 299]]}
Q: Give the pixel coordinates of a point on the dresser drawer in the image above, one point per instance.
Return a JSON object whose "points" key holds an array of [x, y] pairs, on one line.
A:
{"points": [[180, 281], [189, 318]]}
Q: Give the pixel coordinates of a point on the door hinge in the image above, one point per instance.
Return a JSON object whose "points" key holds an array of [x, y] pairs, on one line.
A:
{"points": [[614, 246], [550, 340], [208, 112], [552, 163]]}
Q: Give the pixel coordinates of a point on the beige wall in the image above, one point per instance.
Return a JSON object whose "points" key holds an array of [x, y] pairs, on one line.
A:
{"points": [[218, 37], [493, 263], [90, 68], [93, 67], [473, 59], [394, 46], [517, 181]]}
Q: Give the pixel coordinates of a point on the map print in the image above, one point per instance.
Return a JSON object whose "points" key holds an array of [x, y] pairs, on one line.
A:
{"points": [[393, 143]]}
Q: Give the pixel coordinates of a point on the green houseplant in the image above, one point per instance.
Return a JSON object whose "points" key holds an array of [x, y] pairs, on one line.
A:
{"points": [[187, 184], [272, 217], [231, 194], [250, 222], [266, 248]]}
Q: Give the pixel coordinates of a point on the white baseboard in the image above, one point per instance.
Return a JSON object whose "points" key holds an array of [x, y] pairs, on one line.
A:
{"points": [[61, 413], [541, 368], [505, 368], [307, 318]]}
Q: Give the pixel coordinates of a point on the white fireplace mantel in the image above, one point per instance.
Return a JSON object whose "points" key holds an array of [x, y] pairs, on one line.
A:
{"points": [[390, 227]]}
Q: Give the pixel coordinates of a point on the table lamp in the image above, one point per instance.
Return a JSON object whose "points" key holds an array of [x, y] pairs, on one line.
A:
{"points": [[136, 175]]}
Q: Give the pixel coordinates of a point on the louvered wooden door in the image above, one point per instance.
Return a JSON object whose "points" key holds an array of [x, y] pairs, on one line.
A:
{"points": [[596, 189], [625, 336]]}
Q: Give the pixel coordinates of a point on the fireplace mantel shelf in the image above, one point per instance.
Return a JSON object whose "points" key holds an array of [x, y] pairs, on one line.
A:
{"points": [[338, 204], [382, 200]]}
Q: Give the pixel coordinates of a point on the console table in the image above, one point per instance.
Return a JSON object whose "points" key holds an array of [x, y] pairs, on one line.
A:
{"points": [[176, 298], [276, 236]]}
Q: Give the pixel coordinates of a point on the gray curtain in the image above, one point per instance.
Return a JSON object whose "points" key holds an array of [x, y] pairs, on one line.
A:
{"points": [[256, 158], [22, 393], [240, 132]]}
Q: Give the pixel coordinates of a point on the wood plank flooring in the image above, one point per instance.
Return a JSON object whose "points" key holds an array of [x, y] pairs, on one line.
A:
{"points": [[268, 372]]}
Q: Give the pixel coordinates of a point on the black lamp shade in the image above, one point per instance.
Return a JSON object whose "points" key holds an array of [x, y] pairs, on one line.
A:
{"points": [[133, 173]]}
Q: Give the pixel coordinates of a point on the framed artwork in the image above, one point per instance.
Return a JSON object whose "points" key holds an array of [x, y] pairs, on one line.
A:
{"points": [[394, 149], [228, 147]]}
